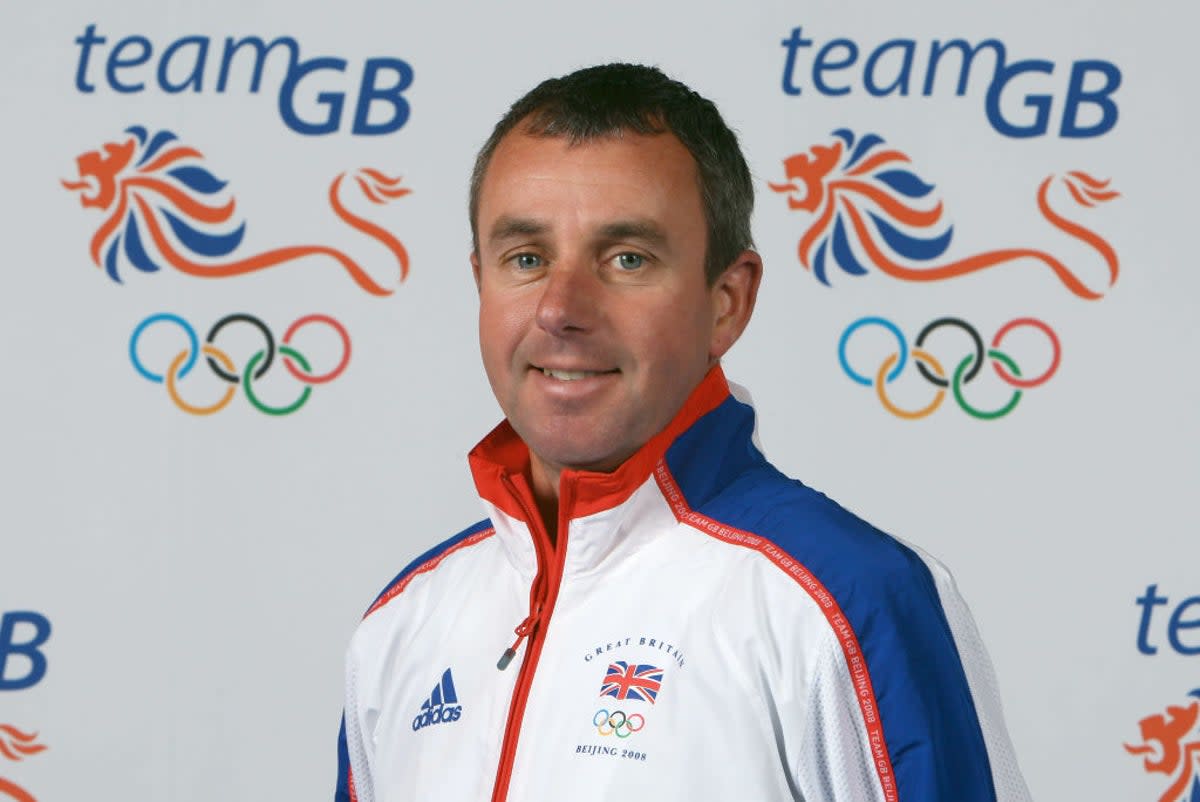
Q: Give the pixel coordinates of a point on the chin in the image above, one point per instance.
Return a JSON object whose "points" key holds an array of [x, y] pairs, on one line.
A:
{"points": [[586, 451], [576, 459]]}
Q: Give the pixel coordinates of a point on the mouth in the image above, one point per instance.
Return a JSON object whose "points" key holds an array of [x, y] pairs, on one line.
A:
{"points": [[572, 375]]}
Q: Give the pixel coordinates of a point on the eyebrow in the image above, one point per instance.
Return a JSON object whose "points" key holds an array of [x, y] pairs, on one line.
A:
{"points": [[646, 231], [508, 227]]}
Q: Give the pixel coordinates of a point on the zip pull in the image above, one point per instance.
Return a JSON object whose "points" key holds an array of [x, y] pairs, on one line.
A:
{"points": [[522, 630]]}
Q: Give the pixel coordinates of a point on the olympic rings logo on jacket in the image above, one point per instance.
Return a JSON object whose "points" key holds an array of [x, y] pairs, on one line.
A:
{"points": [[617, 723], [963, 372], [223, 366]]}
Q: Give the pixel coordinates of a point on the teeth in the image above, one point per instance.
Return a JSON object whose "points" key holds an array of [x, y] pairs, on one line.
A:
{"points": [[569, 375]]}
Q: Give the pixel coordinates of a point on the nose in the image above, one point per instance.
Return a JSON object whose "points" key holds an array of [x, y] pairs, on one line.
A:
{"points": [[570, 301]]}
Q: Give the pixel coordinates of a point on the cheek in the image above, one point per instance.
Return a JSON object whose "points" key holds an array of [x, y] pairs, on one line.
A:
{"points": [[491, 336], [501, 329], [677, 345]]}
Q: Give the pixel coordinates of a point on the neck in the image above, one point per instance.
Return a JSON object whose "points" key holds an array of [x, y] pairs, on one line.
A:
{"points": [[544, 479], [503, 452]]}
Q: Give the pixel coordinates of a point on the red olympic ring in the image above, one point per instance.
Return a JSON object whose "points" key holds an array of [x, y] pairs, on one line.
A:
{"points": [[1003, 372], [326, 377]]}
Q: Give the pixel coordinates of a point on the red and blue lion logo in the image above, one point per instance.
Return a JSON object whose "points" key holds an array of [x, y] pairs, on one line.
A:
{"points": [[872, 211], [164, 207], [1171, 744]]}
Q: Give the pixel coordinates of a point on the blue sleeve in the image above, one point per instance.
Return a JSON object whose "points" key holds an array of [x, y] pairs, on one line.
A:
{"points": [[342, 789], [929, 717]]}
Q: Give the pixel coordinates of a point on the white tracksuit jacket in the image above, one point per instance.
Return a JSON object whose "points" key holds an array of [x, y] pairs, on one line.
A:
{"points": [[705, 629]]}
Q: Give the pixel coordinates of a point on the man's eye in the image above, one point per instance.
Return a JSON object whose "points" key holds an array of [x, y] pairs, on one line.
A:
{"points": [[630, 261], [527, 261]]}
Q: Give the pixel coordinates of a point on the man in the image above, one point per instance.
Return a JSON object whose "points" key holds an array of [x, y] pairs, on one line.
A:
{"points": [[689, 624]]}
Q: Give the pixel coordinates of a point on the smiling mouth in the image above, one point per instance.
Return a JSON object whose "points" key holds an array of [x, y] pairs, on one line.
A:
{"points": [[573, 375]]}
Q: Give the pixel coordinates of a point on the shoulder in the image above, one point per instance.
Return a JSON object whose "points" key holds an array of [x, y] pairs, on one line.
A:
{"points": [[803, 525], [861, 579], [909, 656], [715, 475], [431, 560]]}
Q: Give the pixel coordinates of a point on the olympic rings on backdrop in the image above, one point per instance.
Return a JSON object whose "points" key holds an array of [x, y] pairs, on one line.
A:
{"points": [[224, 368], [964, 371], [608, 724]]}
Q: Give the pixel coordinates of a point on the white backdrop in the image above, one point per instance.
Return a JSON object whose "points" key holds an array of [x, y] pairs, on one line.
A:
{"points": [[201, 575]]}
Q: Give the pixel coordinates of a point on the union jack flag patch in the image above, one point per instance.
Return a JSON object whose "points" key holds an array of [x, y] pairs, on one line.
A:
{"points": [[637, 681]]}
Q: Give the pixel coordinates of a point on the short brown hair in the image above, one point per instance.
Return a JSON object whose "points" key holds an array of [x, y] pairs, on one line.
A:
{"points": [[609, 99]]}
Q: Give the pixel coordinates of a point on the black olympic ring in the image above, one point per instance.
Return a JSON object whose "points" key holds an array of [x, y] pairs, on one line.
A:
{"points": [[976, 362], [241, 317]]}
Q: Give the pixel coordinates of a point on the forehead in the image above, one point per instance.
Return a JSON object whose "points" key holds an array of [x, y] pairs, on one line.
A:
{"points": [[628, 174]]}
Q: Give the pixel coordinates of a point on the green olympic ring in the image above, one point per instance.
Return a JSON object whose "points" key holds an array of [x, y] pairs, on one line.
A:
{"points": [[259, 405], [979, 413]]}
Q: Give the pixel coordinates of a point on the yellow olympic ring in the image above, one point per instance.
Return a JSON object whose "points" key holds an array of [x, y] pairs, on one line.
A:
{"points": [[881, 378], [173, 376]]}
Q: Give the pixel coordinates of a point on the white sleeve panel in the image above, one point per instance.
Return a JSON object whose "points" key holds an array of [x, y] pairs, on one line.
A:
{"points": [[357, 721], [835, 753], [981, 678]]}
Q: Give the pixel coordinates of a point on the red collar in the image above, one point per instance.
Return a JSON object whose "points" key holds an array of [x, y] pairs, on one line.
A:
{"points": [[503, 454]]}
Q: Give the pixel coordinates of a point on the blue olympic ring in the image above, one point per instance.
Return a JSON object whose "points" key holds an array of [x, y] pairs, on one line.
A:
{"points": [[872, 321], [193, 351]]}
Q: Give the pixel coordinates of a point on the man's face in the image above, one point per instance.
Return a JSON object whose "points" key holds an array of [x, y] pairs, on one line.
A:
{"points": [[595, 319]]}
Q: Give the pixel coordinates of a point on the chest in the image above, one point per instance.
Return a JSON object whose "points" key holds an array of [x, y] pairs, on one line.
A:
{"points": [[638, 678]]}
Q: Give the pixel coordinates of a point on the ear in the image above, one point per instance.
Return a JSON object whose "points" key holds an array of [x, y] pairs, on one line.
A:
{"points": [[733, 295], [475, 267]]}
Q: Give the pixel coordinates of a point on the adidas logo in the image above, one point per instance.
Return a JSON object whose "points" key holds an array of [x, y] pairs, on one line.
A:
{"points": [[442, 705]]}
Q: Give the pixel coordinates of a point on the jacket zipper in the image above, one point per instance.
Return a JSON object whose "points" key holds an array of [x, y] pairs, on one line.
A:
{"points": [[523, 629], [543, 595]]}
